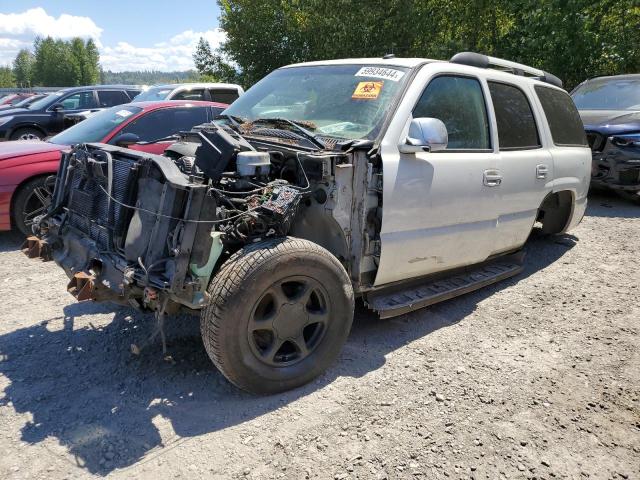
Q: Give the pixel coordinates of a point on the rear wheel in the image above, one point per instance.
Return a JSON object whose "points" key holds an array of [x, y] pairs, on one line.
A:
{"points": [[280, 312], [31, 200], [27, 134]]}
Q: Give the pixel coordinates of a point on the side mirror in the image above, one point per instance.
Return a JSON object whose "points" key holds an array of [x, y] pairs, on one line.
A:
{"points": [[425, 135], [58, 107], [125, 140]]}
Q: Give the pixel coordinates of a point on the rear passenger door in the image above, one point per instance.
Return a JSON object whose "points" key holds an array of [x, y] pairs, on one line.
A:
{"points": [[525, 166], [111, 98]]}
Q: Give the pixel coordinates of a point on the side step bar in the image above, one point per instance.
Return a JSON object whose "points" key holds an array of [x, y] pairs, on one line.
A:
{"points": [[404, 298]]}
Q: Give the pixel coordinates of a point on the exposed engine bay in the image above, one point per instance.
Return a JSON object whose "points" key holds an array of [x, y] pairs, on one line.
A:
{"points": [[151, 231]]}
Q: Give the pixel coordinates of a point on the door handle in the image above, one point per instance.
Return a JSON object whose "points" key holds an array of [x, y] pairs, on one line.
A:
{"points": [[491, 178], [541, 171]]}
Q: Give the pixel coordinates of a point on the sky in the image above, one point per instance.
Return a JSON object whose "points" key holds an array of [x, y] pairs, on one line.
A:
{"points": [[131, 35]]}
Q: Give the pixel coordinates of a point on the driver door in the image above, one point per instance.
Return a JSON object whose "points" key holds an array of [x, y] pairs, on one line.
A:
{"points": [[440, 208]]}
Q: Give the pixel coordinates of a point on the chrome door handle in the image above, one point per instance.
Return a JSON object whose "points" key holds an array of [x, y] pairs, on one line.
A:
{"points": [[491, 178], [541, 171]]}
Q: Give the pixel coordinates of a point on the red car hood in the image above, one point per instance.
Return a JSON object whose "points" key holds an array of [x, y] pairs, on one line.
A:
{"points": [[24, 148]]}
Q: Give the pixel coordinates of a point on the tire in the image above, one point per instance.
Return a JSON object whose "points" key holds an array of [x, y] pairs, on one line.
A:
{"points": [[630, 196], [27, 134], [253, 329], [31, 200]]}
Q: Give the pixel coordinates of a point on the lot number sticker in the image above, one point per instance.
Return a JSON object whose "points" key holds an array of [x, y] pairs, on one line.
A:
{"points": [[380, 72], [367, 90]]}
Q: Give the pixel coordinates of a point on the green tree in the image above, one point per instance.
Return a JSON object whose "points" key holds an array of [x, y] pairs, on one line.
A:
{"points": [[23, 68], [6, 77], [91, 71], [60, 63], [211, 65], [574, 39]]}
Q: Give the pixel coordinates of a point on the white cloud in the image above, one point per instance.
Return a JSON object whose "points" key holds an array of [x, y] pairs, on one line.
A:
{"points": [[174, 54], [36, 21], [17, 30]]}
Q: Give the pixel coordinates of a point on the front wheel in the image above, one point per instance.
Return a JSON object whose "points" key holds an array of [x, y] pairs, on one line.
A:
{"points": [[279, 315], [27, 134], [31, 201]]}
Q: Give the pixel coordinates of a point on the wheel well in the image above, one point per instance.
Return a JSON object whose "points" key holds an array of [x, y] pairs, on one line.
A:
{"points": [[32, 127], [20, 187], [555, 211]]}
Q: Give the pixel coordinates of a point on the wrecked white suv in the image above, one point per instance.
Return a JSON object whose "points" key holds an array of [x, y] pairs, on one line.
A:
{"points": [[401, 181]]}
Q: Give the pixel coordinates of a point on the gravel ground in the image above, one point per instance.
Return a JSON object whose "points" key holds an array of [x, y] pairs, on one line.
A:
{"points": [[535, 377]]}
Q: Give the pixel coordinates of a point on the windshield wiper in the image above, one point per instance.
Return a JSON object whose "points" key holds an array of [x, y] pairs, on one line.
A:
{"points": [[235, 120], [296, 125]]}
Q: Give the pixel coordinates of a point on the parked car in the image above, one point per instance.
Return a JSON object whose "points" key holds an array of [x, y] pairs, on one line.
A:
{"points": [[14, 98], [215, 92], [46, 116], [146, 126], [23, 102], [610, 111], [403, 181]]}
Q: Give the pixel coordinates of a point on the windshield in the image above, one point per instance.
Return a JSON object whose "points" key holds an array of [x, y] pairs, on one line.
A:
{"points": [[153, 94], [96, 127], [344, 101], [608, 95], [26, 101], [45, 101]]}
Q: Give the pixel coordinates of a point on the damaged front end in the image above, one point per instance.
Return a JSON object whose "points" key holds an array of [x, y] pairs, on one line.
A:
{"points": [[123, 225], [616, 161], [150, 231]]}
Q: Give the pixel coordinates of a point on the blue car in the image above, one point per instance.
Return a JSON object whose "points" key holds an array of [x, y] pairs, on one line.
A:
{"points": [[610, 111]]}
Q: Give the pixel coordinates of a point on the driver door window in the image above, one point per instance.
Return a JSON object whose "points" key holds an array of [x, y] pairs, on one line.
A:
{"points": [[79, 101], [164, 123], [459, 103]]}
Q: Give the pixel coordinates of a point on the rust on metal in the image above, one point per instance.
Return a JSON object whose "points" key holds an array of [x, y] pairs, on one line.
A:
{"points": [[82, 286], [33, 247]]}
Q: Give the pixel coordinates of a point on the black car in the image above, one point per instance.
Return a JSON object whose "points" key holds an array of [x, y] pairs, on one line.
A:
{"points": [[48, 115], [610, 111]]}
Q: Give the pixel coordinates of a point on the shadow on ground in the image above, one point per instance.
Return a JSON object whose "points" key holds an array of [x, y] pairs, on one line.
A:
{"points": [[604, 203], [83, 387]]}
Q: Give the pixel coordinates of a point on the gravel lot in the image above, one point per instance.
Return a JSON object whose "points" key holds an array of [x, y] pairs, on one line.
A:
{"points": [[535, 377]]}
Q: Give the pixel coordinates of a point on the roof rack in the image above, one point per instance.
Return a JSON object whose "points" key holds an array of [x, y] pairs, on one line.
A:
{"points": [[484, 61]]}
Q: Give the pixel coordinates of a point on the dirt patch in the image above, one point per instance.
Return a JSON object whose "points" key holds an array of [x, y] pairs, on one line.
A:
{"points": [[535, 377]]}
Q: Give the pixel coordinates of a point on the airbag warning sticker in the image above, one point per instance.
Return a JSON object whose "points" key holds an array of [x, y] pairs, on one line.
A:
{"points": [[380, 72], [367, 90]]}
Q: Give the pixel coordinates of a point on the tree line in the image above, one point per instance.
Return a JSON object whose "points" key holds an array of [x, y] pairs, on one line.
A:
{"points": [[55, 63], [573, 39]]}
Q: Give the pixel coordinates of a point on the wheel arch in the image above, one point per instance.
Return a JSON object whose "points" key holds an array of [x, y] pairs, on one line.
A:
{"points": [[19, 187], [556, 211], [32, 125]]}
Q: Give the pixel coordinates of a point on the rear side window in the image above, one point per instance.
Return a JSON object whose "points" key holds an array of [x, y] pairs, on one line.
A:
{"points": [[223, 96], [133, 93], [564, 121], [516, 123], [194, 94], [459, 103], [111, 98]]}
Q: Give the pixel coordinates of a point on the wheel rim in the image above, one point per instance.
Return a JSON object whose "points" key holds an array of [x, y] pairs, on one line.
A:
{"points": [[36, 204], [289, 321], [28, 136]]}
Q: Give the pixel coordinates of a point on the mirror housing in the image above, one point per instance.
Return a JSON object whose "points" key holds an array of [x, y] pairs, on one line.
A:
{"points": [[58, 107], [125, 140], [425, 135]]}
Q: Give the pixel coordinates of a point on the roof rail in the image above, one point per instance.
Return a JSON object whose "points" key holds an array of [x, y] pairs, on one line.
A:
{"points": [[484, 61]]}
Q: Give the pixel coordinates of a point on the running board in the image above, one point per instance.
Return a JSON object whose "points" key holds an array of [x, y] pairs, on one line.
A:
{"points": [[403, 298]]}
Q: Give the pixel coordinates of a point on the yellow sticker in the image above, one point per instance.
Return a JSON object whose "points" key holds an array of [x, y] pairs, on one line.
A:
{"points": [[367, 90]]}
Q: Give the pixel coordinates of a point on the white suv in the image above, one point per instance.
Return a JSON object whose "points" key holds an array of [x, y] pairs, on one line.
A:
{"points": [[210, 92], [403, 181]]}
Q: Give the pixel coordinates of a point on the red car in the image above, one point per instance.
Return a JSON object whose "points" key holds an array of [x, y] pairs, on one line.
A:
{"points": [[146, 126], [14, 98]]}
